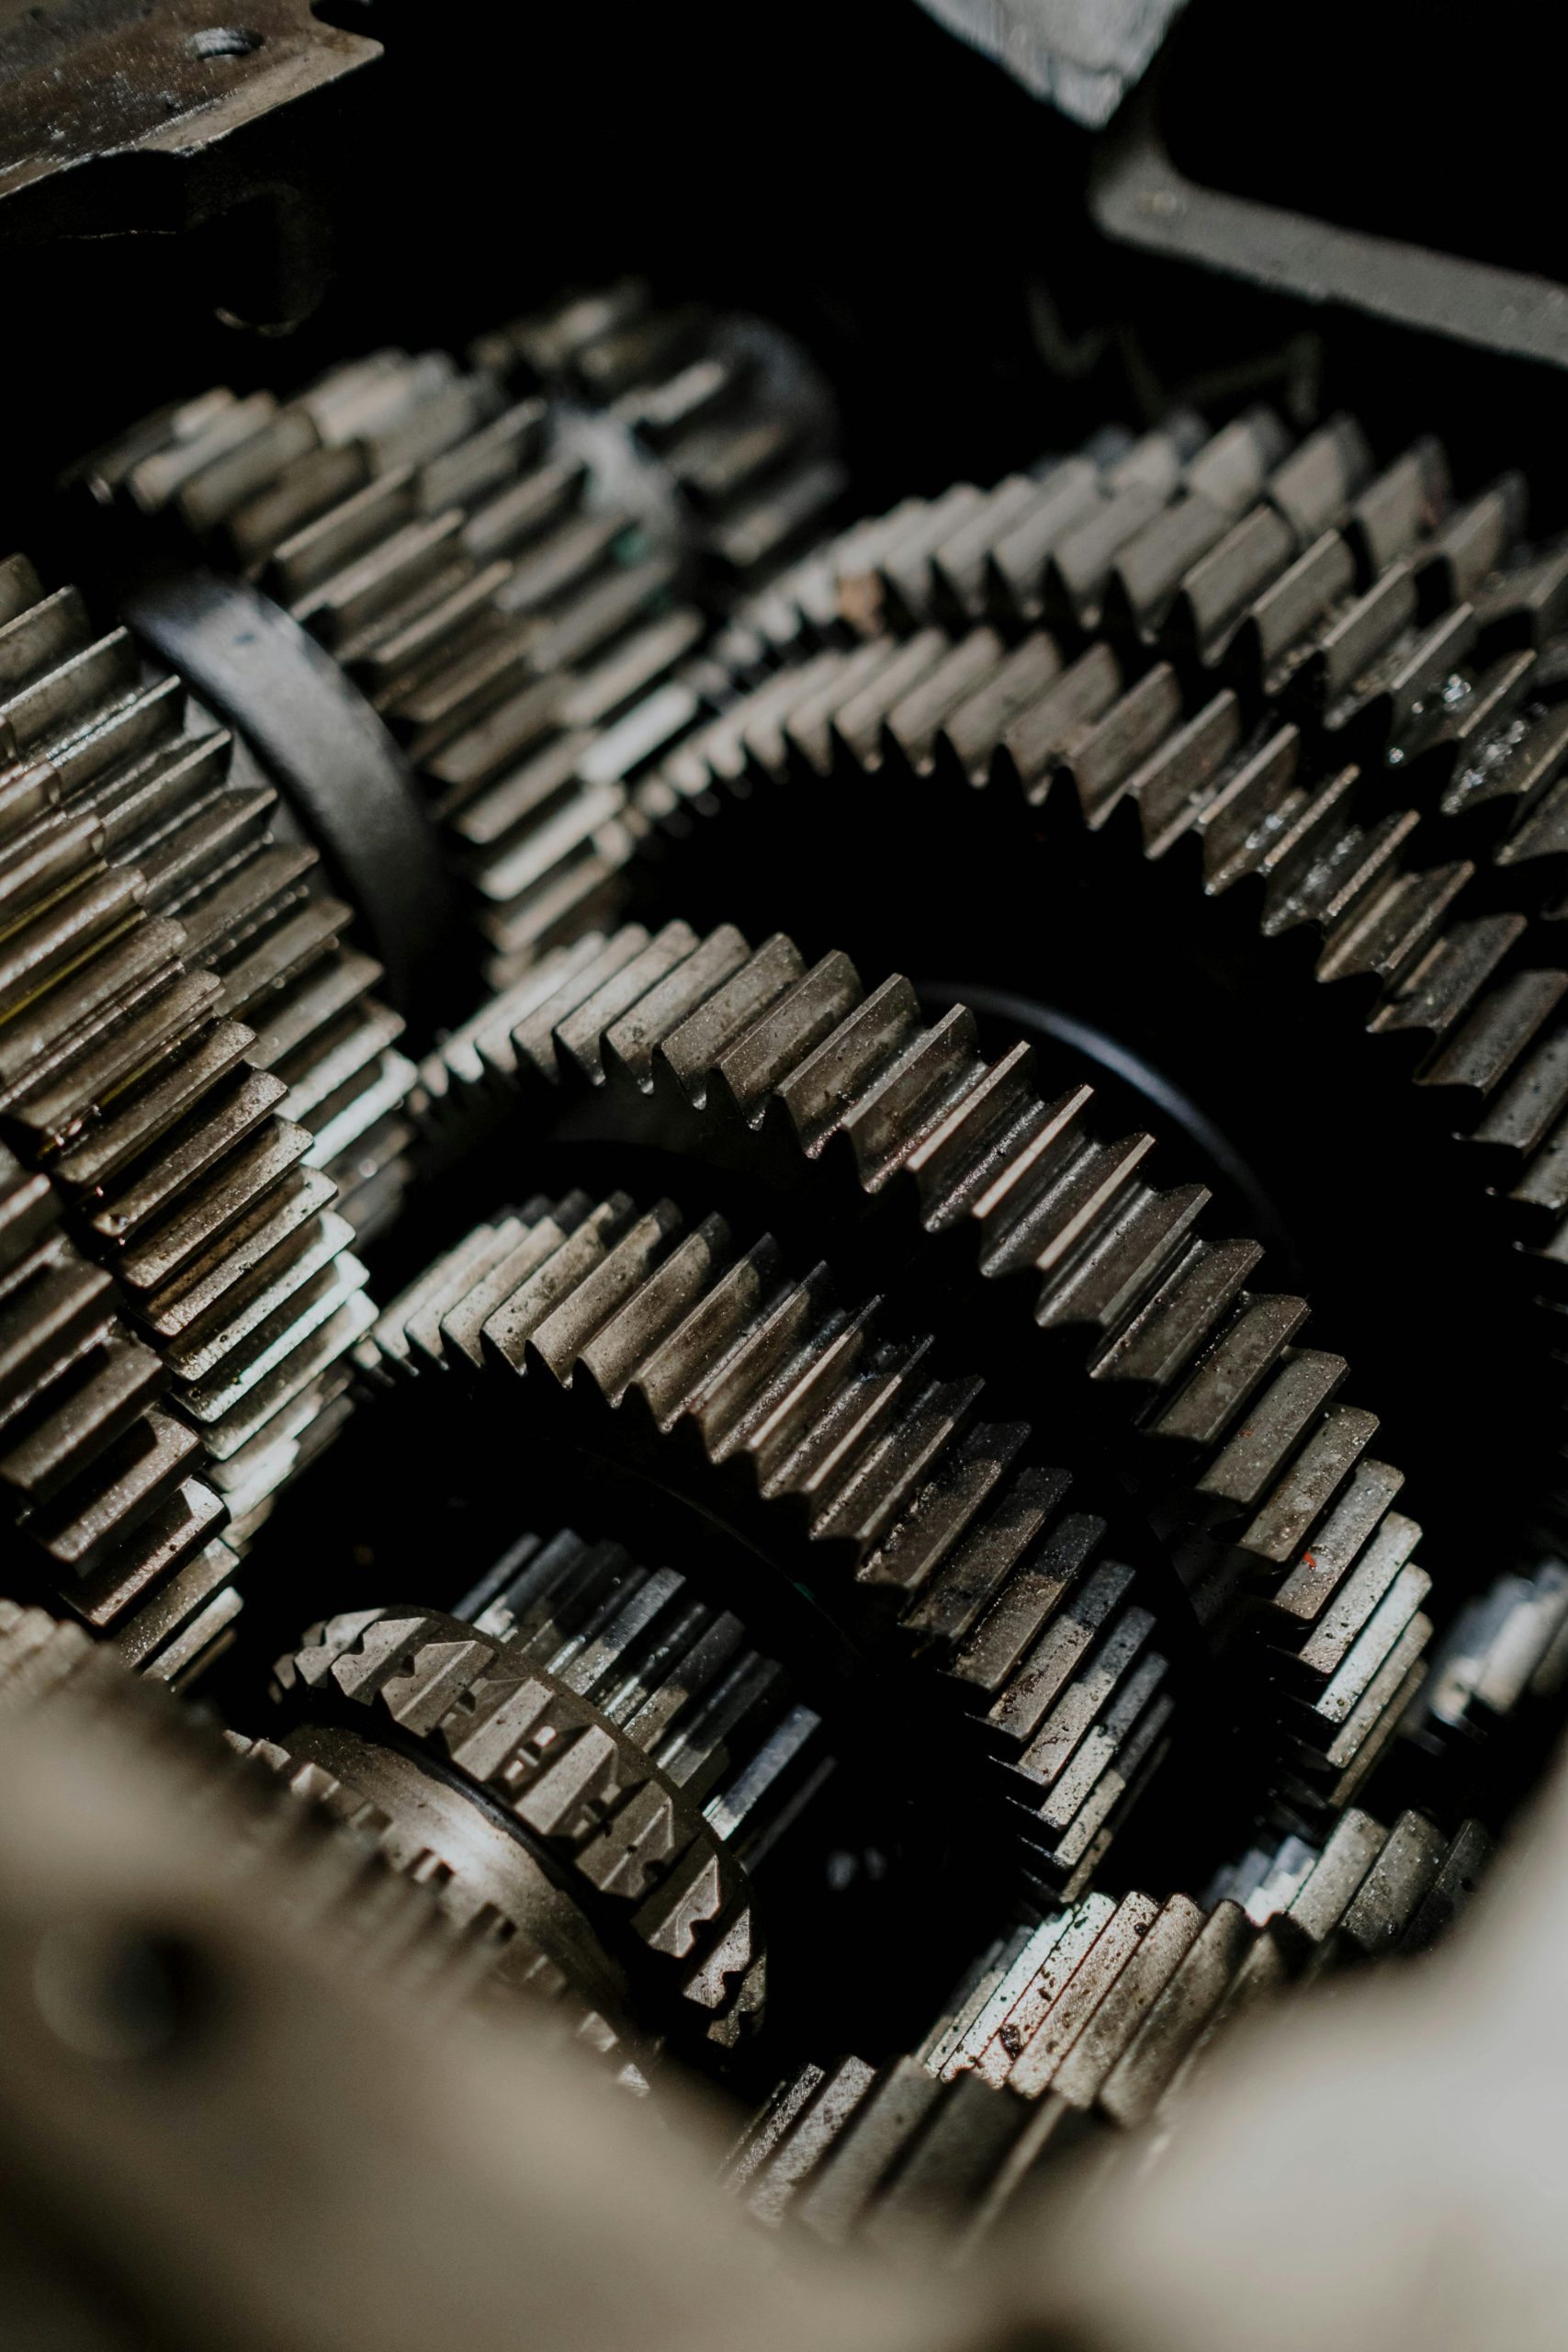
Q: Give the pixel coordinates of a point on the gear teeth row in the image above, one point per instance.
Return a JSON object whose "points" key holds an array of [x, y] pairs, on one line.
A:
{"points": [[1243, 815], [185, 1047], [1260, 1477], [651, 1822], [100, 1482], [922, 1523], [327, 1868], [503, 583], [1093, 2023]]}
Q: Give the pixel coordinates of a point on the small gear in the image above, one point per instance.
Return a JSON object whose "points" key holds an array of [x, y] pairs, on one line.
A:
{"points": [[638, 1751]]}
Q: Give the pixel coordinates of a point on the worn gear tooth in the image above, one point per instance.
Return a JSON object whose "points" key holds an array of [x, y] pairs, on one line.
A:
{"points": [[1165, 1336], [912, 727], [806, 730], [561, 1338], [507, 1331], [969, 732]]}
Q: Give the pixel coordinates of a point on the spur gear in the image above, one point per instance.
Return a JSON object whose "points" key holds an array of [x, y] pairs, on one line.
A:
{"points": [[187, 1049], [956, 1172], [1031, 1699], [99, 1483], [503, 559], [1087, 2028], [594, 1753], [1325, 750]]}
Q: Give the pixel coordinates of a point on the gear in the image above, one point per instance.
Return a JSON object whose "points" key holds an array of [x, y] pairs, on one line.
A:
{"points": [[504, 575], [642, 1757], [188, 1052], [1095, 2021], [833, 1447], [950, 1170]]}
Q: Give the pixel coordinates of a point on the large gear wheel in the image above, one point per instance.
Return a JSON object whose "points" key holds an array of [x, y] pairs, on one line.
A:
{"points": [[1191, 769], [956, 1173], [1030, 1696]]}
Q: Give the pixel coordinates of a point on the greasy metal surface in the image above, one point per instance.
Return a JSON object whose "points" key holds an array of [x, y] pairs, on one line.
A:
{"points": [[102, 83], [1140, 197]]}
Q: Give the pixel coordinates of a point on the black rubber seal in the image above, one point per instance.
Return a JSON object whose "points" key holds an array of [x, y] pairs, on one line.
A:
{"points": [[326, 751]]}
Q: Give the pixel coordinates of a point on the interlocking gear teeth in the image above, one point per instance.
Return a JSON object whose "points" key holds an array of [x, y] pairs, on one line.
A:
{"points": [[1282, 846], [862, 1473], [650, 1779], [1096, 2021], [184, 1048], [953, 1167], [506, 577]]}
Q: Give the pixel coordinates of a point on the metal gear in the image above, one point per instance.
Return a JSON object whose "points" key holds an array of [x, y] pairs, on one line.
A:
{"points": [[1081, 2031], [99, 1481], [1028, 1671], [190, 1053], [640, 1755], [948, 1169], [503, 574]]}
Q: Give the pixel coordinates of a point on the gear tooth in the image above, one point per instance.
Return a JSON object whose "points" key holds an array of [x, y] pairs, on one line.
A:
{"points": [[968, 733], [787, 1033], [937, 1498], [1506, 1023], [1118, 1266], [689, 1051], [563, 1337], [743, 1377], [577, 1037], [912, 1097], [805, 729], [911, 728], [1166, 1334], [1032, 1593], [673, 1377], [442, 1671], [850, 1060], [1056, 1192], [1383, 940], [1174, 784], [797, 1405], [969, 1573], [1245, 1353], [620, 1351], [632, 1042], [858, 719], [1275, 1425], [509, 1327]]}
